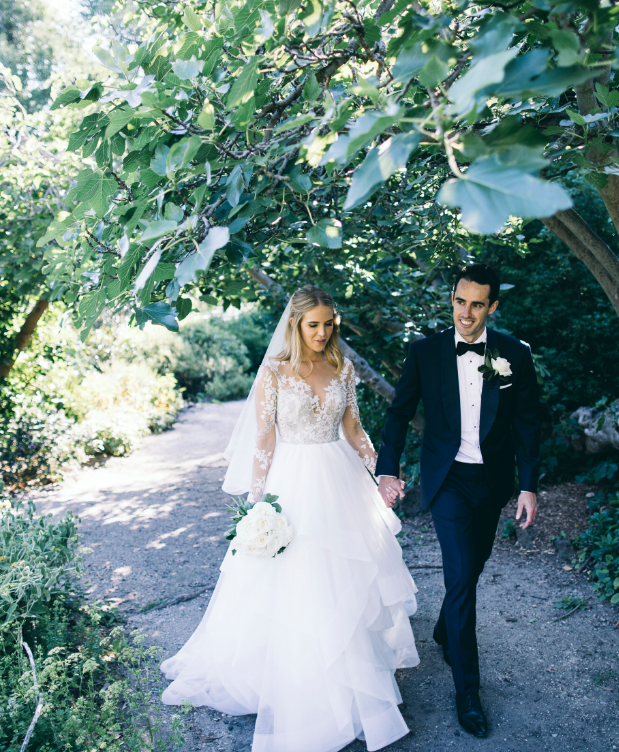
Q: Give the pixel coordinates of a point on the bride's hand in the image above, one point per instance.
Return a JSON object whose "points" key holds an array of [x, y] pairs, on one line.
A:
{"points": [[390, 489]]}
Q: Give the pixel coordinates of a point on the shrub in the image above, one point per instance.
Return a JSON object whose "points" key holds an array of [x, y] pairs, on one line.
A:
{"points": [[66, 402], [600, 542], [38, 557], [99, 689], [210, 361]]}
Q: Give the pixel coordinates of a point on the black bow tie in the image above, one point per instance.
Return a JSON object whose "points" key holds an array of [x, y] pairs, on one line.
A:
{"points": [[464, 347]]}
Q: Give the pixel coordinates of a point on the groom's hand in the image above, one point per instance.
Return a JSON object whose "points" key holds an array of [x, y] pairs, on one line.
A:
{"points": [[391, 489], [528, 501]]}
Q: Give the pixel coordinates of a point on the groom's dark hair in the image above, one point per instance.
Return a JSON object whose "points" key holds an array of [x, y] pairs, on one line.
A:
{"points": [[482, 275]]}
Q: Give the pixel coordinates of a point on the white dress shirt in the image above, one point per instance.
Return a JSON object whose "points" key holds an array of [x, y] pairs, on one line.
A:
{"points": [[470, 382]]}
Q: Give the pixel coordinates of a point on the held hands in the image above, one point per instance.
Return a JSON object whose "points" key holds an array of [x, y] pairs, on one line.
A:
{"points": [[528, 501], [391, 489]]}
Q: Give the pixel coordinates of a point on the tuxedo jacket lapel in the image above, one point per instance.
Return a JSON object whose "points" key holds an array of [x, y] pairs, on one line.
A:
{"points": [[449, 381], [489, 394]]}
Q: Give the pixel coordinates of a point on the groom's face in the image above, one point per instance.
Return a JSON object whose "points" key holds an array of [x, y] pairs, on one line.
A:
{"points": [[471, 303]]}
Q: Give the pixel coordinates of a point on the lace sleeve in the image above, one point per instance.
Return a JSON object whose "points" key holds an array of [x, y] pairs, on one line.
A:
{"points": [[351, 423], [266, 409]]}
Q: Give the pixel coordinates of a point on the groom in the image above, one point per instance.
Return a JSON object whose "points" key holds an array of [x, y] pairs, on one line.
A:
{"points": [[477, 424]]}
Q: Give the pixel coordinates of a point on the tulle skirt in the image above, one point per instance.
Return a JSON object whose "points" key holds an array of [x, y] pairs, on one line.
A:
{"points": [[309, 640]]}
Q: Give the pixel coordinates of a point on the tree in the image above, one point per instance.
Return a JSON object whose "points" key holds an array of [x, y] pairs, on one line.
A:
{"points": [[261, 137], [36, 171]]}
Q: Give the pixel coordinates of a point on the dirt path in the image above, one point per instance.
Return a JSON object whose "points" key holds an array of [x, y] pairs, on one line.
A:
{"points": [[155, 521]]}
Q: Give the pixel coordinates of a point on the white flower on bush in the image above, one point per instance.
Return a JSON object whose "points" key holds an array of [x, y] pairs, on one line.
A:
{"points": [[501, 366], [262, 531]]}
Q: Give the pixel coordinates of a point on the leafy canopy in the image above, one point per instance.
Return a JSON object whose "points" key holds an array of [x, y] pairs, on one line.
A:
{"points": [[289, 135]]}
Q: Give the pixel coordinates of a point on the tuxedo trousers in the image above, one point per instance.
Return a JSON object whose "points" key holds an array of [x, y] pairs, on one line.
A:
{"points": [[465, 517]]}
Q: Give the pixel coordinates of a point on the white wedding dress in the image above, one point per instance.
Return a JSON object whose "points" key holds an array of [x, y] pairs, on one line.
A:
{"points": [[309, 640]]}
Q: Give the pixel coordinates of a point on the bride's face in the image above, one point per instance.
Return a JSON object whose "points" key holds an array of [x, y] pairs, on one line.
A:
{"points": [[317, 328]]}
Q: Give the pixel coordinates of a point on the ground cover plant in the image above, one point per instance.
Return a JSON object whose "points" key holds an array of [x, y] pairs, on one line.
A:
{"points": [[91, 686]]}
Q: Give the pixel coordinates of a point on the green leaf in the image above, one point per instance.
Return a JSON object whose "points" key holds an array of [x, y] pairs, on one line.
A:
{"points": [[192, 20], [615, 598], [433, 72], [173, 212], [156, 230], [490, 70], [234, 185], [312, 89], [312, 18], [488, 194], [56, 228], [295, 122], [371, 31], [362, 133], [183, 306], [568, 46], [409, 62], [159, 313], [598, 179], [494, 36], [575, 117], [186, 69], [118, 119], [244, 115], [206, 119], [67, 96], [326, 233], [159, 163], [181, 154], [200, 260], [528, 76], [379, 165], [96, 188], [164, 271], [245, 84]]}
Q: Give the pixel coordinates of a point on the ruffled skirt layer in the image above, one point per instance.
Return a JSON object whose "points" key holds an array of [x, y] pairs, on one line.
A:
{"points": [[309, 640]]}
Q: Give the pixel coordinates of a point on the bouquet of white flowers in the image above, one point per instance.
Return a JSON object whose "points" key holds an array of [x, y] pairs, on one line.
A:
{"points": [[261, 529]]}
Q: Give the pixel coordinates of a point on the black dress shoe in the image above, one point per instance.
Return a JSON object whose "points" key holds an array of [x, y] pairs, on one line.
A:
{"points": [[443, 644], [471, 714]]}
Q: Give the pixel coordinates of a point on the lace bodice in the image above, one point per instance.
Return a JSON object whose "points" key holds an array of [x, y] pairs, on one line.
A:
{"points": [[291, 405]]}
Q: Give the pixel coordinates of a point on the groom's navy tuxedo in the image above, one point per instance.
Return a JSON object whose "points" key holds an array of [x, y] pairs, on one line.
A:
{"points": [[465, 498]]}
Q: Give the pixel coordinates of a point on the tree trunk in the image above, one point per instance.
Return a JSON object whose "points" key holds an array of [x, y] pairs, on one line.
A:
{"points": [[24, 334], [572, 229], [584, 253]]}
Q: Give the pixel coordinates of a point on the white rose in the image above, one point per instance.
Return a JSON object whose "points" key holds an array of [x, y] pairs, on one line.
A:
{"points": [[246, 528], [262, 509], [501, 366]]}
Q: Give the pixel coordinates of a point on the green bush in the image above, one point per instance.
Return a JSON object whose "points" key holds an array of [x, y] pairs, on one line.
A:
{"points": [[99, 689], [210, 361], [65, 402], [600, 542], [38, 558]]}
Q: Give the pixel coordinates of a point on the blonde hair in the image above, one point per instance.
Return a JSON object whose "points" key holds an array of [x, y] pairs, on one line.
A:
{"points": [[303, 300]]}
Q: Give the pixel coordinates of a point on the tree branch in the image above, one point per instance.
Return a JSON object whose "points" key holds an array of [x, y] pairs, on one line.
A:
{"points": [[583, 254], [588, 237], [23, 337]]}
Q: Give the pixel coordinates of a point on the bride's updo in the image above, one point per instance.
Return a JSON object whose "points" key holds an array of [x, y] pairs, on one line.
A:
{"points": [[303, 300]]}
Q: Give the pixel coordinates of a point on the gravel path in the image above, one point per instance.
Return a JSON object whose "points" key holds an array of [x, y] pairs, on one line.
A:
{"points": [[155, 521]]}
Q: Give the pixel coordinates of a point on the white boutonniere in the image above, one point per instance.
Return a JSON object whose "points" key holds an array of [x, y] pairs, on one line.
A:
{"points": [[495, 366]]}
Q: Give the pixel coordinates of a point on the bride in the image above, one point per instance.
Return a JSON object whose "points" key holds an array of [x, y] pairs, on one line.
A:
{"points": [[308, 640]]}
